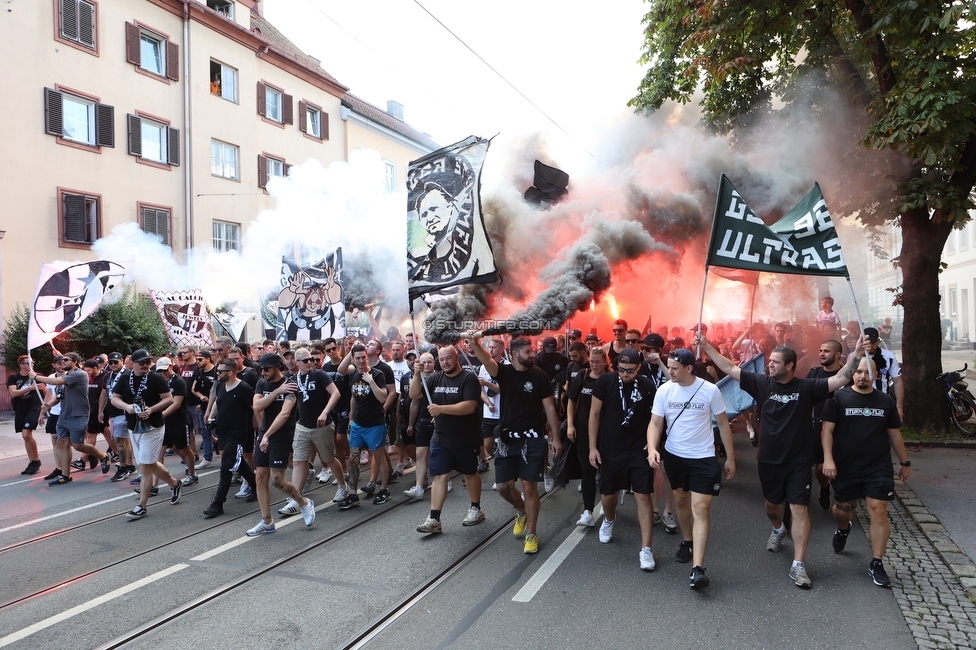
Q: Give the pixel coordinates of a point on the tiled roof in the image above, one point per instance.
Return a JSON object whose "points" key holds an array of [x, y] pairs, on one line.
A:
{"points": [[281, 43], [363, 107]]}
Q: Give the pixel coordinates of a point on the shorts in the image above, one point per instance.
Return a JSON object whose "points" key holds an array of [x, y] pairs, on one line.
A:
{"points": [[625, 470], [791, 482], [146, 446], [445, 459], [195, 416], [26, 419], [423, 431], [176, 435], [52, 424], [853, 488], [699, 475], [405, 438], [73, 427], [371, 438], [525, 460], [119, 428], [488, 426], [94, 426], [342, 425], [818, 456], [279, 450], [319, 438], [391, 426]]}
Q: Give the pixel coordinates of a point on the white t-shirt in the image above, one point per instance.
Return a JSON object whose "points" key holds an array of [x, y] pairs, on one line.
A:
{"points": [[493, 397], [690, 433], [400, 368]]}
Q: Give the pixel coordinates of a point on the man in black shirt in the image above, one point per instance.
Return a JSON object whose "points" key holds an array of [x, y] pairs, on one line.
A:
{"points": [[115, 418], [231, 419], [829, 355], [785, 456], [527, 407], [200, 386], [861, 427], [27, 410], [177, 433], [580, 394], [456, 395]]}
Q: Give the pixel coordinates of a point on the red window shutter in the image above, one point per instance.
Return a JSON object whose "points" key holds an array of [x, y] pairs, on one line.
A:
{"points": [[69, 18], [172, 61], [287, 114], [86, 23], [73, 214], [302, 117], [135, 134], [53, 112], [133, 53], [174, 146], [262, 99], [324, 125], [262, 171], [287, 167], [104, 125]]}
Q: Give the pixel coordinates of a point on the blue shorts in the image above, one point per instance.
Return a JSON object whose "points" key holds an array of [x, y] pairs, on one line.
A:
{"points": [[445, 459], [371, 438], [74, 428], [119, 428]]}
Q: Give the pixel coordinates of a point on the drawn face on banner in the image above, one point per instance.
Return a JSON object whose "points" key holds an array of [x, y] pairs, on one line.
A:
{"points": [[69, 295], [438, 212]]}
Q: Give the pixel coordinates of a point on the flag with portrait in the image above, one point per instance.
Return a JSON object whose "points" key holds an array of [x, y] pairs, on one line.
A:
{"points": [[310, 301]]}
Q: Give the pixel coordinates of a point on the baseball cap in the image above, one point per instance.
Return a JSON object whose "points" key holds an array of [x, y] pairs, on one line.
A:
{"points": [[629, 355], [205, 354], [683, 356], [115, 356], [163, 363], [58, 359], [653, 341], [288, 353], [549, 344], [410, 353], [271, 360], [141, 355], [871, 333], [576, 334], [592, 337]]}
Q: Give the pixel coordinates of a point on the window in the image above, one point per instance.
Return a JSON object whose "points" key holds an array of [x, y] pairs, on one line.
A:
{"points": [[964, 238], [77, 23], [152, 52], [226, 236], [274, 104], [153, 140], [223, 81], [79, 218], [155, 220], [224, 160], [269, 166], [313, 121], [952, 302], [222, 7], [78, 119], [391, 179]]}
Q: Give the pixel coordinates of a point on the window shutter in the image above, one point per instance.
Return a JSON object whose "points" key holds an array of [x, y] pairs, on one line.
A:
{"points": [[287, 167], [262, 99], [162, 225], [149, 220], [53, 112], [104, 125], [324, 125], [174, 146], [133, 52], [135, 134], [262, 171], [302, 117], [172, 60], [74, 218], [86, 23], [287, 114], [69, 18]]}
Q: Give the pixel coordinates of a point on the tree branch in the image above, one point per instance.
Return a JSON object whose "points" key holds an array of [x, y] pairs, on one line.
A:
{"points": [[879, 54]]}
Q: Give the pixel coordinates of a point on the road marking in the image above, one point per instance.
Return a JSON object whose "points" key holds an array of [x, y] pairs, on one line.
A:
{"points": [[26, 480], [539, 578]]}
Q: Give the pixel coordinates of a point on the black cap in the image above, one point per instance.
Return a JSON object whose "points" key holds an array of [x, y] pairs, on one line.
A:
{"points": [[141, 355], [592, 337], [205, 354], [629, 355], [653, 341], [575, 334], [58, 359], [271, 360], [115, 356], [683, 356], [549, 344], [871, 333]]}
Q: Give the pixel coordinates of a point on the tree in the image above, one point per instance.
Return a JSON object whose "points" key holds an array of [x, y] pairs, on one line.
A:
{"points": [[904, 66]]}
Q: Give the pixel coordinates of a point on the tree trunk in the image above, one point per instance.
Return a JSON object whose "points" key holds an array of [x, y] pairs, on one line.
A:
{"points": [[921, 255]]}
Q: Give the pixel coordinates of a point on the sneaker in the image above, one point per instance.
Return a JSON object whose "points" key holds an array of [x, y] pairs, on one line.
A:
{"points": [[878, 574], [683, 556], [381, 497], [190, 480], [606, 531], [350, 501], [325, 475], [398, 469], [136, 481], [291, 508], [482, 466], [549, 483], [531, 544], [308, 512], [698, 579], [203, 464], [394, 477], [670, 525], [824, 499], [494, 486], [798, 574], [170, 452], [657, 517], [106, 463], [416, 492], [244, 492], [53, 475], [408, 463], [586, 519], [136, 513], [754, 441], [177, 491], [450, 486], [32, 468], [647, 562], [153, 491], [474, 517], [430, 526], [78, 464], [775, 542], [120, 474], [840, 539], [115, 457], [261, 529], [520, 522], [60, 480], [213, 510], [340, 494], [369, 488], [252, 497], [236, 480]]}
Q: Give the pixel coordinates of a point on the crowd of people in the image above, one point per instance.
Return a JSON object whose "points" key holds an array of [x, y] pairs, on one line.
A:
{"points": [[640, 414]]}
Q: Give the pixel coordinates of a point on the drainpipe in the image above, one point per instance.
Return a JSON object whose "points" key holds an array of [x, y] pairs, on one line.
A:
{"points": [[187, 132]]}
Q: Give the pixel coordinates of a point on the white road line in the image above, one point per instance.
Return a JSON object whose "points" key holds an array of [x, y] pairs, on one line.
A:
{"points": [[539, 578], [26, 480]]}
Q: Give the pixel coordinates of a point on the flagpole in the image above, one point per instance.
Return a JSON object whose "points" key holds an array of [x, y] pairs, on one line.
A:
{"points": [[701, 309], [416, 345], [752, 307], [711, 236], [860, 323]]}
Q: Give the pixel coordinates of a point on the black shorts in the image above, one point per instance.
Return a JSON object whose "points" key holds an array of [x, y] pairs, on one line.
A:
{"points": [[26, 419], [342, 425], [818, 457], [445, 459], [853, 488], [52, 424], [488, 426], [701, 475], [391, 426], [176, 435], [524, 459], [790, 482], [625, 470], [406, 439], [423, 431], [94, 426], [279, 450]]}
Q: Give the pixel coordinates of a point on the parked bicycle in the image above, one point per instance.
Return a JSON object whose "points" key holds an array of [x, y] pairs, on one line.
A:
{"points": [[962, 404]]}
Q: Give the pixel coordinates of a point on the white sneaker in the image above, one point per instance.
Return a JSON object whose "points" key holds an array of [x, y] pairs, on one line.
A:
{"points": [[203, 463], [408, 462], [325, 475], [450, 486], [399, 469], [586, 519], [340, 494], [261, 529], [606, 531], [494, 486], [647, 562], [244, 492], [474, 517], [579, 488], [308, 512], [291, 508], [549, 483], [416, 492]]}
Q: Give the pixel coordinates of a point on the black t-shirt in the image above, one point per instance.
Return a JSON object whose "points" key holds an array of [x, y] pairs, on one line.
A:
{"points": [[784, 411], [626, 411], [861, 445], [187, 373], [522, 393], [271, 411], [150, 388], [249, 376], [313, 396], [176, 421], [423, 415], [573, 370], [203, 381], [554, 364], [655, 373], [469, 362], [819, 373], [233, 409], [369, 410], [580, 391], [28, 400], [345, 395], [455, 430], [109, 379], [387, 373], [94, 392]]}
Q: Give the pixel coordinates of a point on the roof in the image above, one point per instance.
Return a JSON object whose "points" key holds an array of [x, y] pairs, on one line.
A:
{"points": [[380, 116], [281, 43]]}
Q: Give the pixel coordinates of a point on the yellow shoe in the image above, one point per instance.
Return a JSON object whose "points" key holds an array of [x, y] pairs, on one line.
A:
{"points": [[519, 529], [531, 544]]}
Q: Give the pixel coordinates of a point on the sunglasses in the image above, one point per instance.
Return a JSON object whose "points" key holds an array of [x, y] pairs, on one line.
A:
{"points": [[616, 331], [112, 362], [145, 363], [309, 360], [634, 341], [317, 359], [626, 371], [328, 350]]}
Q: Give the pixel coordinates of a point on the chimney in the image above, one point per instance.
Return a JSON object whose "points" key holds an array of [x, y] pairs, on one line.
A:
{"points": [[257, 8], [395, 109]]}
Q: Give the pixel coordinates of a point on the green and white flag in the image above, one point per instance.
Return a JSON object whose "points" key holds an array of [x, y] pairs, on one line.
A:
{"points": [[803, 242]]}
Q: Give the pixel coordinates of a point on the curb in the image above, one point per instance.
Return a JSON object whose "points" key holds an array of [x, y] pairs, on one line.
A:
{"points": [[946, 444]]}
